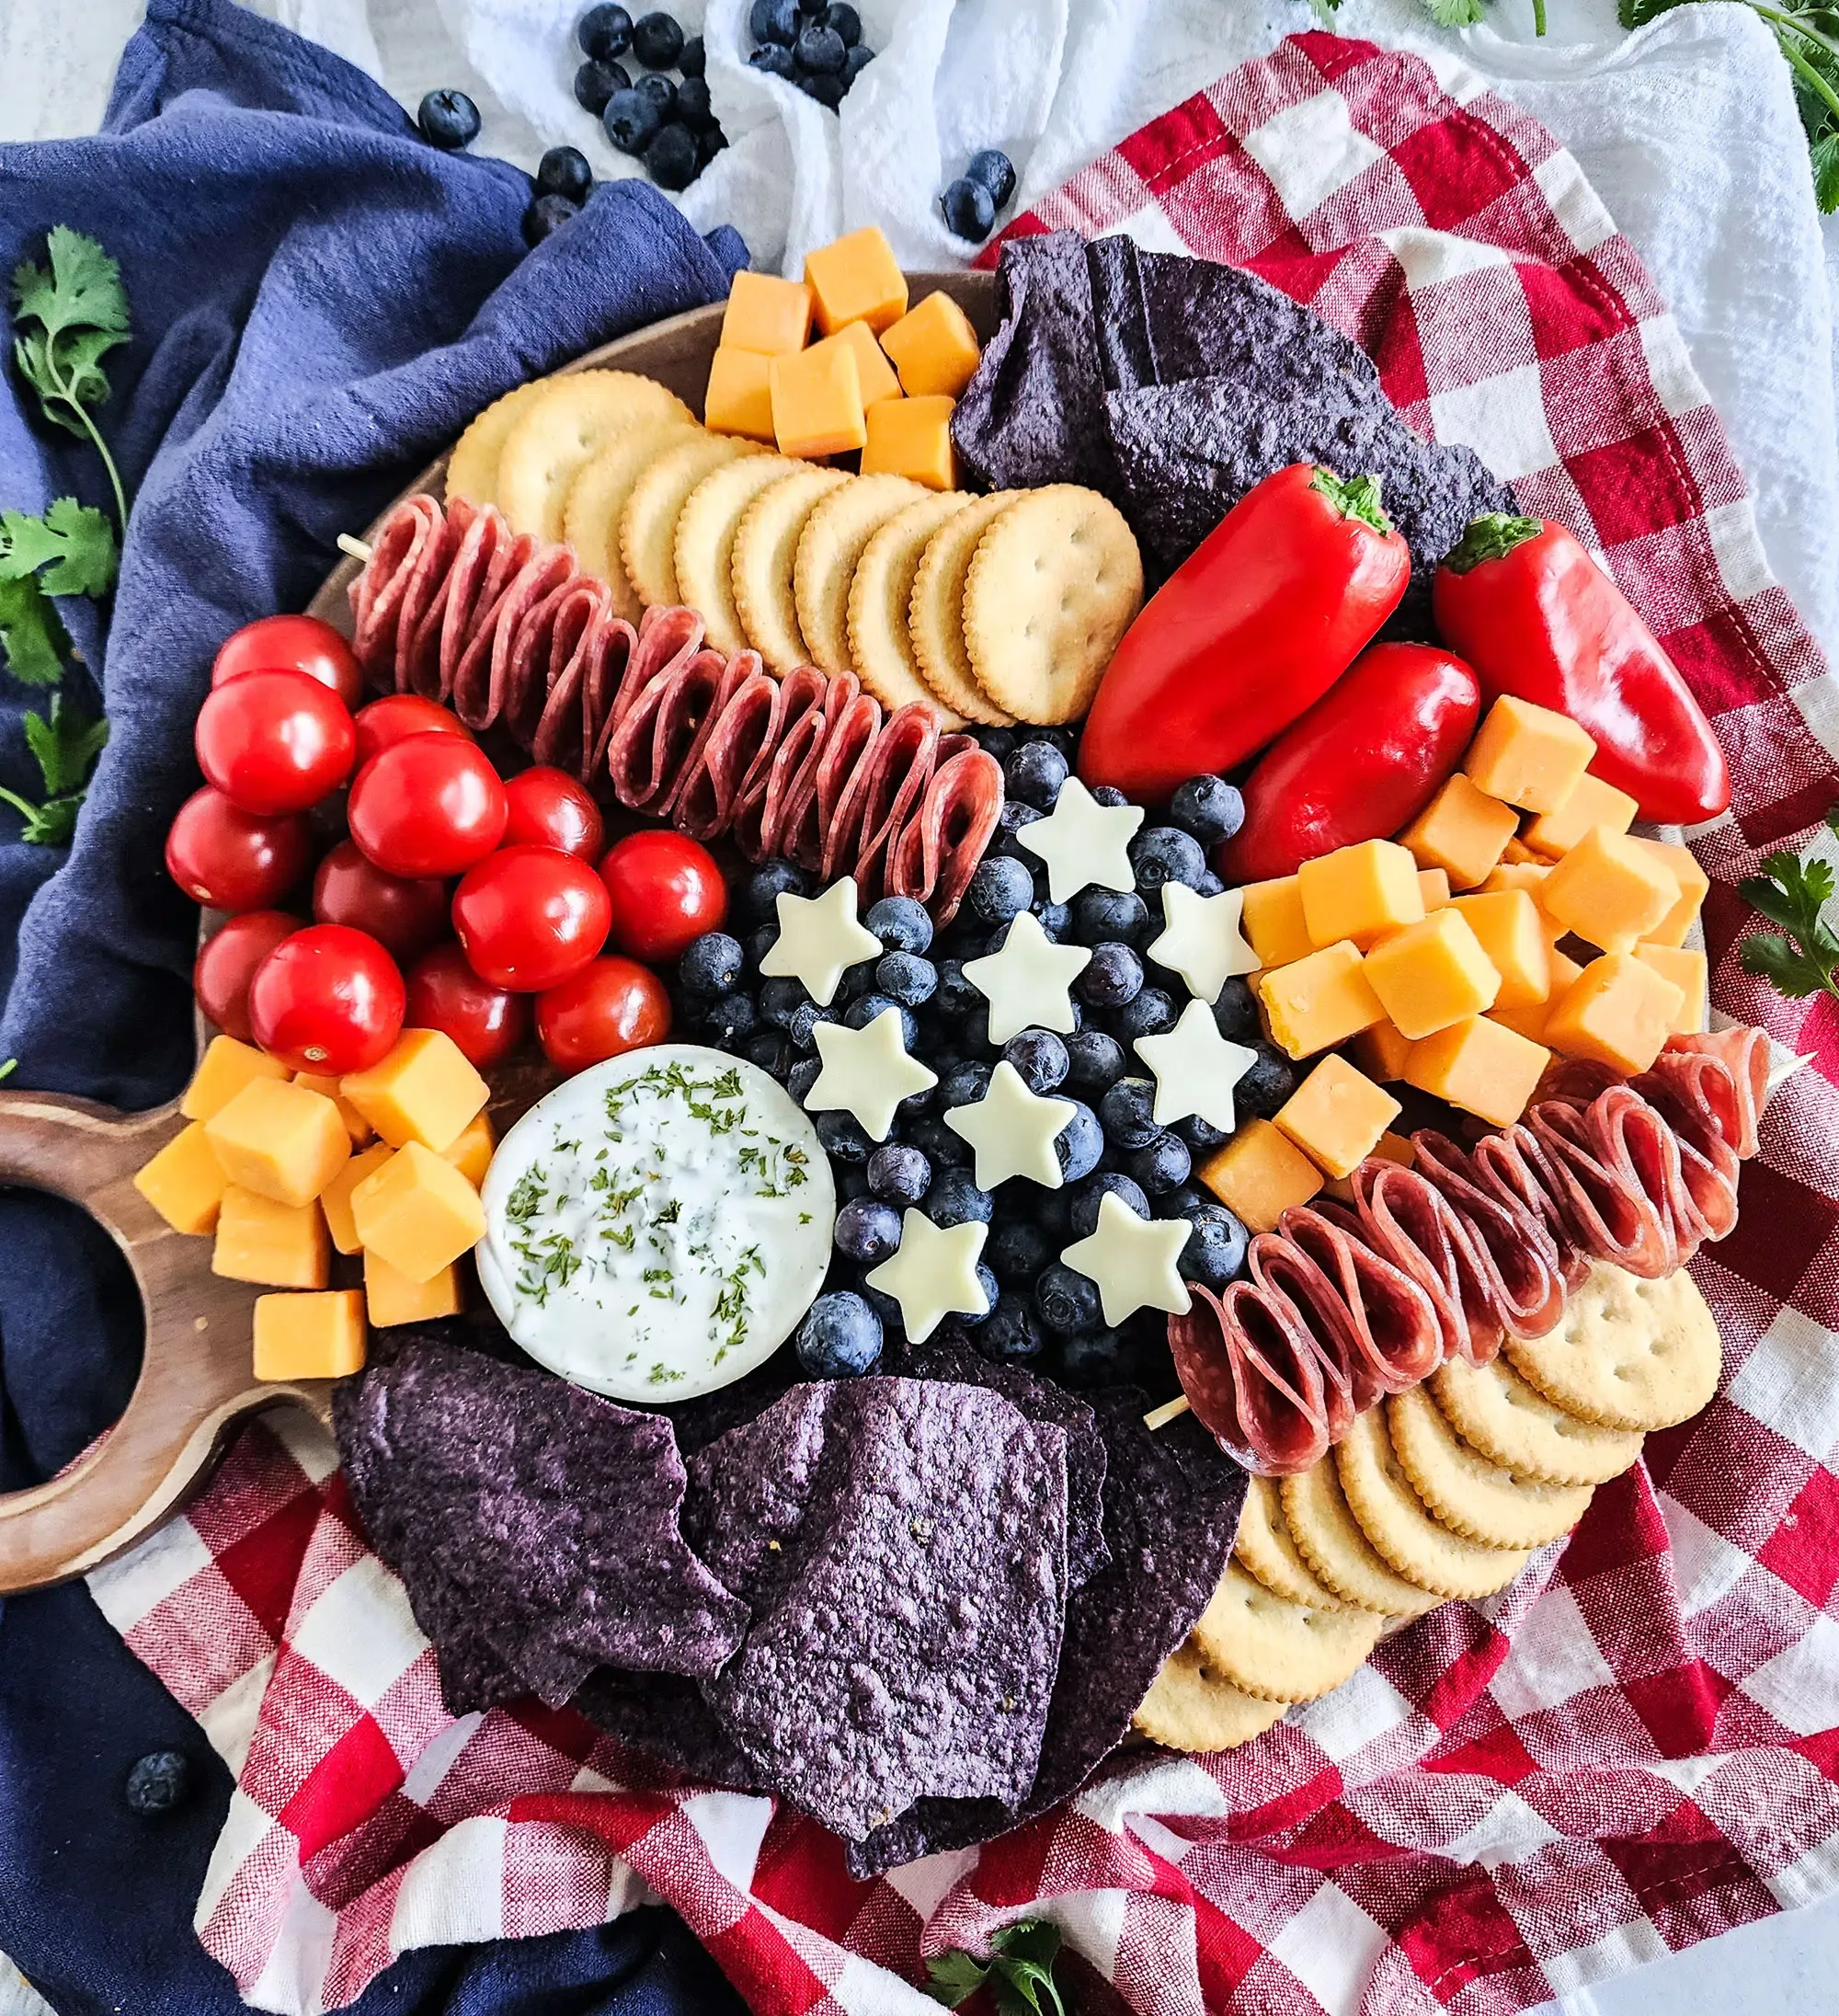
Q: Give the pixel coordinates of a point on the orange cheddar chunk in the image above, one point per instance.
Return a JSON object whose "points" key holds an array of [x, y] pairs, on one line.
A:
{"points": [[1610, 890], [1380, 1052], [1317, 1002], [1509, 927], [1694, 884], [355, 1125], [1336, 1117], [472, 1153], [1593, 803], [184, 1183], [766, 315], [1529, 1019], [280, 1140], [425, 1090], [1528, 755], [1461, 831], [1259, 1174], [875, 374], [335, 1201], [224, 1069], [911, 438], [278, 1245], [310, 1336], [1359, 893], [1433, 888], [418, 1212], [857, 278], [817, 402], [1516, 851], [1529, 876], [933, 347], [1617, 1012], [1432, 974], [1272, 920], [738, 398], [1687, 971], [1390, 1147], [390, 1297], [1480, 1066]]}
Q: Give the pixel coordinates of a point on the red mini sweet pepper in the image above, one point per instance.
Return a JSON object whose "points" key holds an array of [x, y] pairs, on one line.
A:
{"points": [[1248, 633], [1538, 618]]}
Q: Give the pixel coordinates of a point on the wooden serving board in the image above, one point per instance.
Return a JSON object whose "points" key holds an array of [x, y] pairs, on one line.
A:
{"points": [[196, 1382]]}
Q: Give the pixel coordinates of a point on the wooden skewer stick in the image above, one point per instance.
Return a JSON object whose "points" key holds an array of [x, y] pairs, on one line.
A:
{"points": [[1159, 1417], [359, 549]]}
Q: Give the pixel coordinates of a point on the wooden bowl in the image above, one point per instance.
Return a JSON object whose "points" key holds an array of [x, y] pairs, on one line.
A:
{"points": [[196, 1382]]}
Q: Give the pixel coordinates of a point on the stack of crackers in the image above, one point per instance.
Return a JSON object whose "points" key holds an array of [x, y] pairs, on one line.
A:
{"points": [[1444, 1491]]}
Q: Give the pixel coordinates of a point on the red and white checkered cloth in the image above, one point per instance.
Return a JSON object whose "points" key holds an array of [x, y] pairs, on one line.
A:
{"points": [[1633, 1750]]}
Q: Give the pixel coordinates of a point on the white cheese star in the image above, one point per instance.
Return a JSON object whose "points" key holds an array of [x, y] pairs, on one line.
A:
{"points": [[1203, 938], [935, 1273], [1012, 1130], [1026, 983], [1133, 1261], [818, 938], [1085, 844], [866, 1071], [1196, 1069]]}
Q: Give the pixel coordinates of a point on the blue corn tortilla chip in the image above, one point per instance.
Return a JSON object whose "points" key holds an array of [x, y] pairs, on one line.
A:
{"points": [[902, 1544], [533, 1525], [666, 1716]]}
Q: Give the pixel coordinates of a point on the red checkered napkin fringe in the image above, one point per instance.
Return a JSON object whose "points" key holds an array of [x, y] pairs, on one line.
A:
{"points": [[1632, 1749]]}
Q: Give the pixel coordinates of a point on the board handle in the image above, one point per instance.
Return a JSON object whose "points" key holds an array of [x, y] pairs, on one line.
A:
{"points": [[196, 1379]]}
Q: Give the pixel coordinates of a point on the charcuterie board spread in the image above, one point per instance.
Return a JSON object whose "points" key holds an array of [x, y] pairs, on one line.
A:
{"points": [[988, 1058]]}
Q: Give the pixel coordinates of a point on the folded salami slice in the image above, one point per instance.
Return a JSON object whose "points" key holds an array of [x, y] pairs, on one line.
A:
{"points": [[1393, 1339], [580, 695], [1250, 1381], [759, 805], [891, 786], [647, 752], [1734, 1102], [1611, 1215], [826, 834], [729, 745], [406, 561], [485, 557], [934, 859], [496, 658], [1524, 1281]]}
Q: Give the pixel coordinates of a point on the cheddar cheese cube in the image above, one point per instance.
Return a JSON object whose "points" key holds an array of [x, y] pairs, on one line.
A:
{"points": [[1592, 802], [875, 374], [280, 1140], [1693, 885], [335, 1201], [224, 1069], [310, 1336], [1511, 930], [1359, 893], [1687, 971], [184, 1183], [1480, 1066], [1610, 890], [1432, 974], [817, 402], [472, 1153], [738, 397], [425, 1090], [1270, 916], [1433, 888], [1529, 876], [355, 1125], [1619, 1012], [390, 1297], [1318, 1002], [857, 278], [911, 438], [1390, 1147], [278, 1245], [1380, 1052], [1528, 755], [1461, 831], [1336, 1117], [418, 1212], [1528, 1018], [1259, 1174], [1516, 850], [933, 347], [766, 315]]}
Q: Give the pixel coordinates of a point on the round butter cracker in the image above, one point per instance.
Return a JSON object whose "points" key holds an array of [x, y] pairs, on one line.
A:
{"points": [[648, 524], [880, 647], [1343, 1558], [1468, 1493], [829, 548], [597, 501], [1191, 1708], [766, 546], [1268, 1646], [473, 467], [935, 616], [1513, 1424], [704, 549], [555, 435], [1267, 1552]]}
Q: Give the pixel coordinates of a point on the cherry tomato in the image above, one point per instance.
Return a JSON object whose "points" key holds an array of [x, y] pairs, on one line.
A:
{"points": [[666, 891], [228, 859], [487, 1022], [396, 716], [291, 643], [610, 1006], [227, 963], [550, 810], [431, 805], [329, 999], [275, 742], [530, 917], [405, 918]]}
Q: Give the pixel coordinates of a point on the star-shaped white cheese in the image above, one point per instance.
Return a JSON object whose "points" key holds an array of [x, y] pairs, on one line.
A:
{"points": [[818, 938], [1026, 983], [1203, 939], [866, 1071], [1133, 1260], [1085, 844], [935, 1273], [1012, 1130], [1196, 1069]]}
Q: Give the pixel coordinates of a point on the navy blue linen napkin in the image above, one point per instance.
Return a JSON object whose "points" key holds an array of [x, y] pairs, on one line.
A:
{"points": [[320, 300]]}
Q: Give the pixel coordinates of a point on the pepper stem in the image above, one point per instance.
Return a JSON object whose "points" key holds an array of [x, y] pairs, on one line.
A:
{"points": [[1353, 496], [1490, 537]]}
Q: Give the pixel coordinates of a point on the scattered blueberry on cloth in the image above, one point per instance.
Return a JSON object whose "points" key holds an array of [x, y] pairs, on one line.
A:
{"points": [[320, 300]]}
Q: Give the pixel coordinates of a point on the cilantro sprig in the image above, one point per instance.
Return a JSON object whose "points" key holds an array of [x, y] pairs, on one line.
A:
{"points": [[1802, 957], [1444, 13], [67, 316], [1019, 1972], [66, 744]]}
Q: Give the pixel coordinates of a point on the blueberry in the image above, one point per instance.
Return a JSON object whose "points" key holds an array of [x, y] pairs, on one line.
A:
{"points": [[1009, 822], [842, 1136], [729, 1020], [1094, 1061], [956, 995], [1002, 888], [771, 1051], [670, 160], [1080, 1145], [986, 1281], [975, 1032], [1235, 1014], [709, 143], [159, 1783], [1182, 1202], [1097, 1358], [563, 171], [595, 83], [965, 1087], [758, 944], [901, 924], [1145, 1014], [1013, 1334], [1108, 795], [1039, 1058], [843, 22], [908, 979], [604, 33], [867, 1231], [766, 885], [883, 1304], [839, 1337], [851, 1181], [820, 50], [1202, 1136], [1053, 1214], [662, 92], [1209, 885], [631, 121], [1107, 916], [804, 1020], [546, 216], [860, 1013], [1113, 977], [995, 170], [825, 86], [448, 120], [779, 1000], [694, 62], [774, 21], [968, 210], [1018, 1249], [813, 10], [857, 980], [657, 40], [1161, 1165], [1127, 1111], [1035, 773], [855, 62], [773, 58], [1266, 1086], [1214, 1253], [955, 1200], [1056, 918], [936, 1142], [1093, 1192], [802, 1075], [898, 1173], [1208, 808], [1067, 1301], [1165, 854]]}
